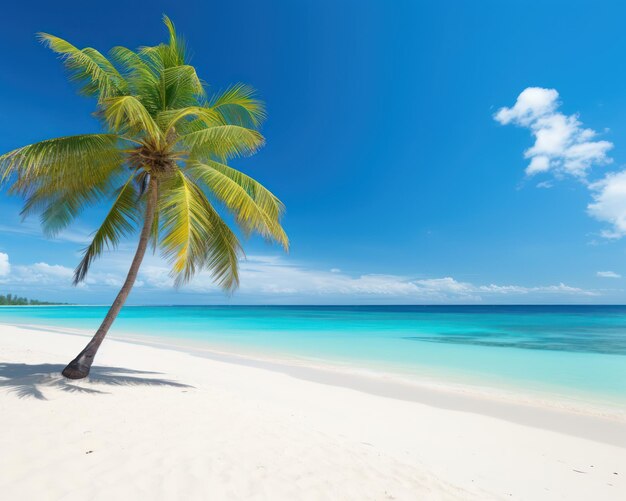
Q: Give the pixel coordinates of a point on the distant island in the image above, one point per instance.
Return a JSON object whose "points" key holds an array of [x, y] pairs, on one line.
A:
{"points": [[11, 300]]}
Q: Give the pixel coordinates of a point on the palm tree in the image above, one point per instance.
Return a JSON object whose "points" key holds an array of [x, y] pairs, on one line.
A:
{"points": [[162, 160]]}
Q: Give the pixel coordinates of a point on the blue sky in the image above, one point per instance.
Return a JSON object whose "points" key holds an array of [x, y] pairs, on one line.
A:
{"points": [[400, 185]]}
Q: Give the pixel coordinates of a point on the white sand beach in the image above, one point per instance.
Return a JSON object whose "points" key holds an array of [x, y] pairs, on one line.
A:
{"points": [[161, 424]]}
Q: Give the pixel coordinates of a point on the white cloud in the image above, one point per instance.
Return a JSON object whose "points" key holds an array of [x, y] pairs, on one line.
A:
{"points": [[265, 277], [608, 274], [275, 279], [562, 145], [532, 103], [55, 276], [451, 286], [5, 266], [609, 203], [40, 274], [544, 184]]}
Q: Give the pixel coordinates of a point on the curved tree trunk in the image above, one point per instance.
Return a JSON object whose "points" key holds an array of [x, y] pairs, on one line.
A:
{"points": [[80, 366]]}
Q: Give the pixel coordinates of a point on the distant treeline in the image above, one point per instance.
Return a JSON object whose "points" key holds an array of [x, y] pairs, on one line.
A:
{"points": [[10, 299]]}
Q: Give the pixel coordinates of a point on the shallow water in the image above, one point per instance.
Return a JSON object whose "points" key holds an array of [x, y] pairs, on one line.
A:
{"points": [[575, 352]]}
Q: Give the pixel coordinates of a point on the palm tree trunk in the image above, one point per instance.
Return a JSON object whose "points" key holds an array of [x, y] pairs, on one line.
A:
{"points": [[80, 366]]}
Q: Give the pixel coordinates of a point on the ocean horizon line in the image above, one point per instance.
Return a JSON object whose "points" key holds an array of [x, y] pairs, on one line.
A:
{"points": [[326, 305]]}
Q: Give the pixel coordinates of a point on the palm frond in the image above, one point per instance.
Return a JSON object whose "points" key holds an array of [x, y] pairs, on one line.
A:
{"points": [[178, 84], [222, 141], [261, 195], [119, 222], [127, 114], [154, 57], [166, 55], [58, 209], [57, 163], [143, 81], [177, 45], [260, 216], [93, 72], [60, 177], [239, 106], [194, 237], [193, 125], [180, 87], [223, 250], [169, 119]]}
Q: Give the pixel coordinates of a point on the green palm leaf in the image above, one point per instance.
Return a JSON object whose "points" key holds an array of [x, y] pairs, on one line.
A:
{"points": [[223, 250], [176, 45], [194, 236], [261, 195], [238, 105], [255, 209], [119, 222], [171, 119], [59, 209], [57, 164], [60, 177], [180, 87], [222, 141], [93, 72], [126, 114], [143, 81]]}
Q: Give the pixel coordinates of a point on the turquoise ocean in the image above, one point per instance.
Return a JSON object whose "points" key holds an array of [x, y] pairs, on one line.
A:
{"points": [[571, 352]]}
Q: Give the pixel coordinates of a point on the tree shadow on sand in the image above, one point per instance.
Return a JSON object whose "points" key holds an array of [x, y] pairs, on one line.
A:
{"points": [[28, 381]]}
